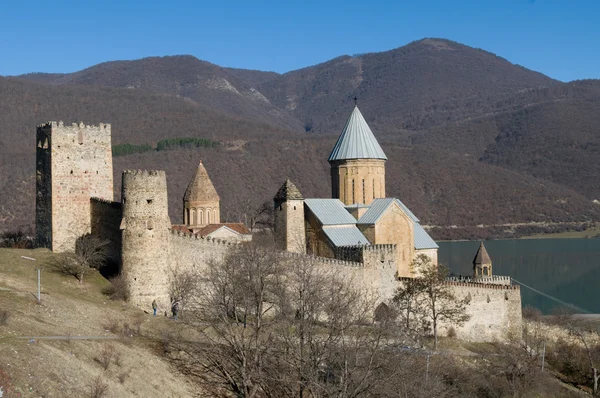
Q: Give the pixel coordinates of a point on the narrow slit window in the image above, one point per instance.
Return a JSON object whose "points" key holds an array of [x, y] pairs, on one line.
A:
{"points": [[364, 192], [353, 201]]}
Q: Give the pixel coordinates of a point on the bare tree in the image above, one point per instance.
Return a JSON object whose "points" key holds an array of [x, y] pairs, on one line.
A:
{"points": [[237, 294], [90, 252], [437, 304], [586, 335], [329, 343], [534, 337], [182, 286], [408, 296]]}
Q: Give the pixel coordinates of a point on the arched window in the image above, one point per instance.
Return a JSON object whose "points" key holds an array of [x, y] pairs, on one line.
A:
{"points": [[193, 218], [208, 216], [200, 217]]}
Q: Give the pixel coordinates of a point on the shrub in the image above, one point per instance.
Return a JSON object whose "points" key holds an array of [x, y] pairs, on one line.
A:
{"points": [[4, 314], [16, 240], [452, 332], [118, 289], [105, 356], [98, 388]]}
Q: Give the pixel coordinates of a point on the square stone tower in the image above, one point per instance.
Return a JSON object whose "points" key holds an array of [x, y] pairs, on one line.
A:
{"points": [[73, 164]]}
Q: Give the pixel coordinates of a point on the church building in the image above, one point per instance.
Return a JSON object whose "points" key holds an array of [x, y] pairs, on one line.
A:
{"points": [[359, 213]]}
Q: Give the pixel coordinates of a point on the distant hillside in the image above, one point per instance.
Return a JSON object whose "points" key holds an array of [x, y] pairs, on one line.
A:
{"points": [[471, 138], [186, 76], [422, 84]]}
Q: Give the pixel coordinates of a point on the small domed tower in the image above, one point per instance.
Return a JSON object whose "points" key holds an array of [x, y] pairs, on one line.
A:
{"points": [[357, 163], [289, 218], [145, 244], [201, 201], [482, 263]]}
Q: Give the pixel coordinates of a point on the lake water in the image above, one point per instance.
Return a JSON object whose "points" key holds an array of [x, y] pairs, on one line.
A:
{"points": [[568, 269]]}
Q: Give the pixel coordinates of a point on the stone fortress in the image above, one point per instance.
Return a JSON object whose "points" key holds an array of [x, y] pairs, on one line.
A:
{"points": [[359, 232]]}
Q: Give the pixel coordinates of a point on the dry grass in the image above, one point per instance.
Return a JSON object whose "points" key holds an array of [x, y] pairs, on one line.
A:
{"points": [[69, 367]]}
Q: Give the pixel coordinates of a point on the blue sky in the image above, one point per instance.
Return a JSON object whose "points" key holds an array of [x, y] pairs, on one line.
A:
{"points": [[560, 38]]}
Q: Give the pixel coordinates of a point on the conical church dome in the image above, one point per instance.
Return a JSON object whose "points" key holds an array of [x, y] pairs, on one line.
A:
{"points": [[201, 188], [356, 141], [482, 257]]}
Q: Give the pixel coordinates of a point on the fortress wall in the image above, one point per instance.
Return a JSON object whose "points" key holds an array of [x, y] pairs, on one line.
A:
{"points": [[73, 164], [380, 270], [495, 312], [371, 268], [105, 222], [192, 253]]}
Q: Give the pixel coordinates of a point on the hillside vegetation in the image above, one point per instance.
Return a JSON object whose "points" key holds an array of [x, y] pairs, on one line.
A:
{"points": [[471, 138]]}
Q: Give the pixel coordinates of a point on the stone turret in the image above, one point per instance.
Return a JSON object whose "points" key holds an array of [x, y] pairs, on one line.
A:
{"points": [[201, 201], [289, 218], [482, 263], [357, 163], [145, 237]]}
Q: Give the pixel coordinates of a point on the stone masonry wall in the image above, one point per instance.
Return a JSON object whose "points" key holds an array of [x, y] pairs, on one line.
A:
{"points": [[106, 219], [495, 312], [145, 231], [289, 226], [80, 167]]}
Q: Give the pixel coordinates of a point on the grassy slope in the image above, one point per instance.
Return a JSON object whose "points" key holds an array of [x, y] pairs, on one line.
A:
{"points": [[61, 368]]}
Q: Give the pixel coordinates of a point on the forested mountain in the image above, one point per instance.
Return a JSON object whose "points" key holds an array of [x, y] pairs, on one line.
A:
{"points": [[471, 138]]}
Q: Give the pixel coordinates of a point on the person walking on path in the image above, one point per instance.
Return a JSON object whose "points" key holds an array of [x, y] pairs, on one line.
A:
{"points": [[154, 306], [175, 309]]}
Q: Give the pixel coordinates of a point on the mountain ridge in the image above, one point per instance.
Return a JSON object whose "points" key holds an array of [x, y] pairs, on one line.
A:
{"points": [[439, 100]]}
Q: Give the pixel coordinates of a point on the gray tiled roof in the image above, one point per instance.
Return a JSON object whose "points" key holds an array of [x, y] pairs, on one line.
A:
{"points": [[330, 211], [345, 236], [356, 141], [482, 256], [422, 239]]}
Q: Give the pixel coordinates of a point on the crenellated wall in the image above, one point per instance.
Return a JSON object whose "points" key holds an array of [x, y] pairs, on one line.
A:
{"points": [[106, 219], [73, 164], [494, 279], [189, 252], [494, 310]]}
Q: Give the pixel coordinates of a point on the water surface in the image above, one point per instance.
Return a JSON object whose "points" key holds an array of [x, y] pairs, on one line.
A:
{"points": [[568, 269]]}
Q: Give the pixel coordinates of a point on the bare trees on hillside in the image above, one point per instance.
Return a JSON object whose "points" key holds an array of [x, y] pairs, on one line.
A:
{"points": [[429, 299], [91, 252], [279, 326]]}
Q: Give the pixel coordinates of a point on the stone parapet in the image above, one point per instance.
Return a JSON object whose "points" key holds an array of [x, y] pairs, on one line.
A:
{"points": [[492, 280], [323, 260], [175, 234]]}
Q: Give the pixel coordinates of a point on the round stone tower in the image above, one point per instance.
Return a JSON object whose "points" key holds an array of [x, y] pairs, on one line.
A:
{"points": [[145, 246], [357, 163], [201, 201]]}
